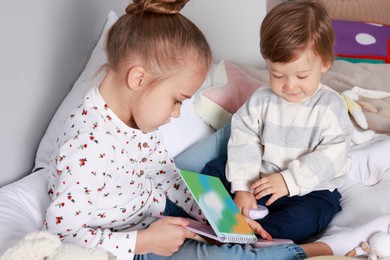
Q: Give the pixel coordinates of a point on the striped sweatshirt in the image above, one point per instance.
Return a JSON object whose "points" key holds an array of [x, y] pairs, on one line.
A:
{"points": [[307, 142]]}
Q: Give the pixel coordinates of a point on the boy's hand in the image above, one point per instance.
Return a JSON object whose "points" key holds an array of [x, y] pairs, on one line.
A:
{"points": [[245, 201], [273, 184]]}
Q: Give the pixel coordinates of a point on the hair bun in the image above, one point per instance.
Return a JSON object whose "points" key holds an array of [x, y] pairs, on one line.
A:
{"points": [[156, 6]]}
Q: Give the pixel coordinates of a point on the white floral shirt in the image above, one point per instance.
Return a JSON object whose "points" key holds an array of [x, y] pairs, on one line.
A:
{"points": [[106, 180]]}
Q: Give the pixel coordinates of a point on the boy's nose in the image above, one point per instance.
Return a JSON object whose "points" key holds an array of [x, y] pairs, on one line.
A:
{"points": [[289, 84]]}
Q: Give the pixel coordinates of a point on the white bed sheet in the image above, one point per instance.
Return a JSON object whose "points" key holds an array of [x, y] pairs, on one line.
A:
{"points": [[23, 204], [362, 203]]}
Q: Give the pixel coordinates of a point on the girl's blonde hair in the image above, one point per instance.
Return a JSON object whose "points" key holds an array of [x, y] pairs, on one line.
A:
{"points": [[154, 34], [291, 27]]}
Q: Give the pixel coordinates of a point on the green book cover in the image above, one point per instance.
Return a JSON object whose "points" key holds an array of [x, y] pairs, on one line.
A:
{"points": [[219, 208]]}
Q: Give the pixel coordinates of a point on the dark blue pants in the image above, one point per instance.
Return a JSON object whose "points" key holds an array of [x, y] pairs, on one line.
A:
{"points": [[297, 218], [171, 209]]}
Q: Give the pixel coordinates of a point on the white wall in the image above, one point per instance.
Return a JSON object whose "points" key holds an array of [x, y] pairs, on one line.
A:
{"points": [[231, 27], [44, 46]]}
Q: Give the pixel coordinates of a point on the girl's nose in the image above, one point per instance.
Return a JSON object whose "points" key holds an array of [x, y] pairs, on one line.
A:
{"points": [[176, 111]]}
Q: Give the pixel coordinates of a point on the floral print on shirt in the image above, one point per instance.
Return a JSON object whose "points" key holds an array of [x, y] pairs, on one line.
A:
{"points": [[106, 180]]}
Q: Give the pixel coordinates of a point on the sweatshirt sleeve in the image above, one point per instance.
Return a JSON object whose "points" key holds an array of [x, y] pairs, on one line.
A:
{"points": [[328, 163], [244, 150]]}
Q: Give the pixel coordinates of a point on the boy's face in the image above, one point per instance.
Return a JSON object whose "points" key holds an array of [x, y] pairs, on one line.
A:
{"points": [[297, 80]]}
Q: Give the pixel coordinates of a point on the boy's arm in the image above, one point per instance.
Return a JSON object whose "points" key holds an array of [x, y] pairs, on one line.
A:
{"points": [[245, 201], [244, 149]]}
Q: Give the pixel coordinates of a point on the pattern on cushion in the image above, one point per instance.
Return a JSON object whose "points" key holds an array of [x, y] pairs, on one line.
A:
{"points": [[361, 41], [230, 87], [359, 10]]}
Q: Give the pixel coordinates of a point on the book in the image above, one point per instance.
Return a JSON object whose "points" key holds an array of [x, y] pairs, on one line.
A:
{"points": [[205, 230], [227, 224], [275, 241]]}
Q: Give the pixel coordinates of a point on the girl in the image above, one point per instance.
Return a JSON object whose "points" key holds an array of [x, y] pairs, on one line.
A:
{"points": [[109, 172]]}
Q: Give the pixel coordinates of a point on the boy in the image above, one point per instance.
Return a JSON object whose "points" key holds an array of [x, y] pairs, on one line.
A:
{"points": [[289, 143]]}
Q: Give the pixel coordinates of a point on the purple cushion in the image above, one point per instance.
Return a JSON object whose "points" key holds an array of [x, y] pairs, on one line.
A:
{"points": [[362, 40]]}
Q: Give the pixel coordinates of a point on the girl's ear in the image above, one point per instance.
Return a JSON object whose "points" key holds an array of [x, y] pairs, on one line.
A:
{"points": [[136, 77]]}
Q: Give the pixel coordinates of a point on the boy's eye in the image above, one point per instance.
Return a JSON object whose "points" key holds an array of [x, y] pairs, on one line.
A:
{"points": [[301, 77], [278, 76]]}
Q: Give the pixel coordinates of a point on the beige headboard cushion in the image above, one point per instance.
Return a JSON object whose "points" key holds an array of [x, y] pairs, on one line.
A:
{"points": [[359, 10]]}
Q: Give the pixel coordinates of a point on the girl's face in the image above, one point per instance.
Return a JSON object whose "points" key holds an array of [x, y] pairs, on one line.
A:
{"points": [[297, 80], [161, 100]]}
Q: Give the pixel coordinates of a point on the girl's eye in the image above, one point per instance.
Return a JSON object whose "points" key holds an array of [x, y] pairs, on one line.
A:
{"points": [[301, 77]]}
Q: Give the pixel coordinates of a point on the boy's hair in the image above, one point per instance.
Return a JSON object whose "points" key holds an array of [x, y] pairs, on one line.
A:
{"points": [[291, 27], [153, 34]]}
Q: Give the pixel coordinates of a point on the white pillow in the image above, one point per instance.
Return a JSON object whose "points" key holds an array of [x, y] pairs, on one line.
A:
{"points": [[22, 208], [186, 130]]}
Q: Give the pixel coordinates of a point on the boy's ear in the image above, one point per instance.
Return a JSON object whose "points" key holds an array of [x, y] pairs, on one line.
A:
{"points": [[136, 77], [326, 66]]}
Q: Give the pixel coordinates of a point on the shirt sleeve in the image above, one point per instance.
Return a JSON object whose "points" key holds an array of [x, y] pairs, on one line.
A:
{"points": [[244, 150], [75, 188]]}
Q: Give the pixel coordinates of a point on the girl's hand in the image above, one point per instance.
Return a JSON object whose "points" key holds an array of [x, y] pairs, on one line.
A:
{"points": [[258, 229], [163, 237], [245, 201], [273, 184]]}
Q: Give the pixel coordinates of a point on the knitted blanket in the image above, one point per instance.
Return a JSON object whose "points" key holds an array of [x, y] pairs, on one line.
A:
{"points": [[43, 245], [344, 76]]}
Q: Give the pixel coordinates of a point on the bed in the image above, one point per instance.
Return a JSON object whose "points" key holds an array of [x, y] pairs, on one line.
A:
{"points": [[54, 48]]}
